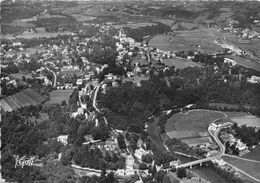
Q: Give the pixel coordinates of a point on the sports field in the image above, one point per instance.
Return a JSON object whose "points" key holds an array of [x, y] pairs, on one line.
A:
{"points": [[57, 96], [251, 168], [197, 120]]}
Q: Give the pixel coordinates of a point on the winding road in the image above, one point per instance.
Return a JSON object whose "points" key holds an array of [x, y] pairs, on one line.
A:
{"points": [[222, 148], [95, 100]]}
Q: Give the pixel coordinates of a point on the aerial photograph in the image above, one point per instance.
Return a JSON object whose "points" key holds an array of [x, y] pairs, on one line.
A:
{"points": [[130, 91]]}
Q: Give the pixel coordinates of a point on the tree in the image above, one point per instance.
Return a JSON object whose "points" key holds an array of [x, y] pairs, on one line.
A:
{"points": [[107, 157], [142, 166], [63, 103], [54, 145], [159, 176], [18, 137], [181, 173], [110, 178], [121, 141], [56, 172], [148, 158]]}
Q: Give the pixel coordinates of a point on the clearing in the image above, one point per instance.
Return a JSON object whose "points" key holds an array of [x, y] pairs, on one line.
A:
{"points": [[180, 63], [195, 120], [57, 96], [190, 125]]}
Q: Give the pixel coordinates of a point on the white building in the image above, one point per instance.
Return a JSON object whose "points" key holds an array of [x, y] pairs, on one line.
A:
{"points": [[140, 152], [254, 79], [230, 61], [63, 139], [79, 82]]}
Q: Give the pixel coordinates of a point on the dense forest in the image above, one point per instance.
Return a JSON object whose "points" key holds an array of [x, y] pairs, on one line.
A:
{"points": [[138, 34], [129, 106]]}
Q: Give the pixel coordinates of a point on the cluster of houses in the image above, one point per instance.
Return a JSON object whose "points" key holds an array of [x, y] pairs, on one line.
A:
{"points": [[228, 137], [224, 166]]}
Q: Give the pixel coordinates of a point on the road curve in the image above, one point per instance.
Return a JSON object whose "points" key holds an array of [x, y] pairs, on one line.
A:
{"points": [[95, 97]]}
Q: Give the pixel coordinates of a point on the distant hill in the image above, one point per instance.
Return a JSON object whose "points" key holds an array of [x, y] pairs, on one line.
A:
{"points": [[26, 97]]}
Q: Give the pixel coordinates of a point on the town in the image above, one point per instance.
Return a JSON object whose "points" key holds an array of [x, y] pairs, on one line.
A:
{"points": [[98, 105]]}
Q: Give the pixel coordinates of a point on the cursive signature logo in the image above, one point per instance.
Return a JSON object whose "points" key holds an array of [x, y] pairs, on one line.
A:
{"points": [[24, 161]]}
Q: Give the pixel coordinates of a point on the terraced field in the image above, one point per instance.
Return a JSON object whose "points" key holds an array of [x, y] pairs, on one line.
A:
{"points": [[21, 99]]}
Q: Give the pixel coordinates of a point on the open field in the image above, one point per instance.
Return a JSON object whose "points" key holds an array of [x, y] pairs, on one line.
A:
{"points": [[241, 118], [161, 42], [50, 16], [184, 26], [180, 63], [136, 79], [193, 141], [42, 34], [22, 23], [202, 39], [20, 75], [83, 18], [183, 134], [168, 22], [133, 25], [247, 63], [254, 154], [188, 25], [197, 121], [247, 120], [57, 96], [251, 168]]}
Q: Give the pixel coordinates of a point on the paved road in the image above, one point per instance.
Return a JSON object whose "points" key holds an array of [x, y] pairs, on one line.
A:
{"points": [[222, 148], [95, 97], [55, 77], [95, 100], [214, 136], [192, 163]]}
